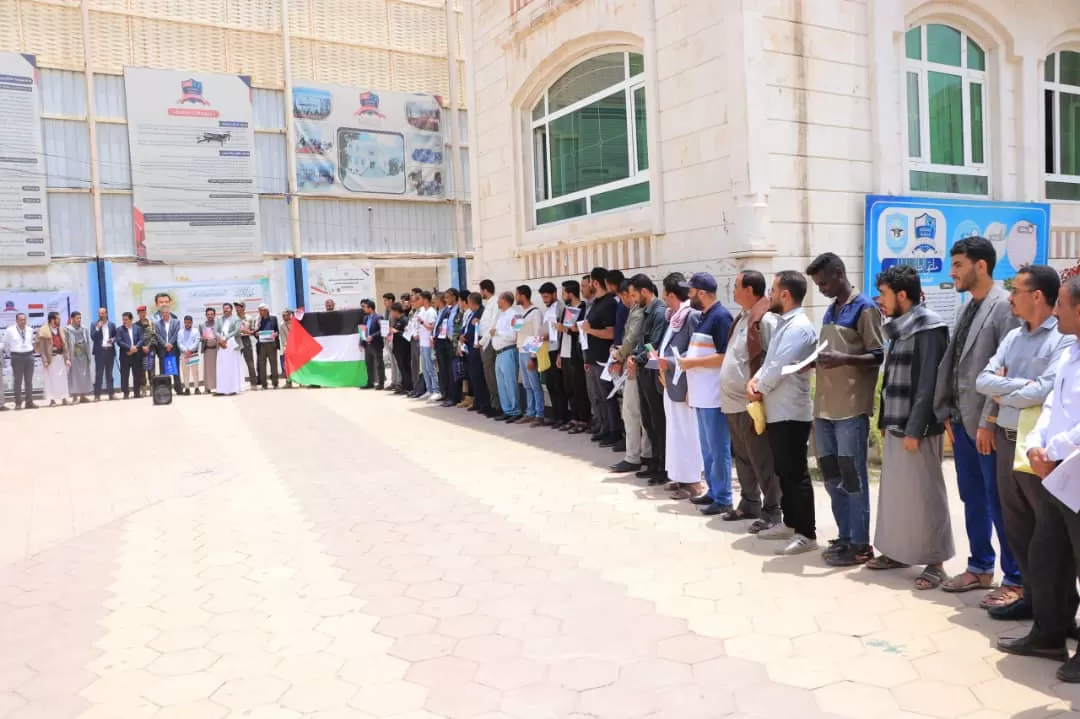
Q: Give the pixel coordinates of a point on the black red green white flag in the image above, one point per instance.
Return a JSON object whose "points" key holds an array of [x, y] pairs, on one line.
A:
{"points": [[323, 349]]}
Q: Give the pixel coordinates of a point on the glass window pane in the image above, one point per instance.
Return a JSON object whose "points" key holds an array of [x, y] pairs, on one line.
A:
{"points": [[975, 94], [540, 164], [586, 79], [913, 43], [1048, 72], [1063, 191], [623, 197], [943, 182], [589, 147], [914, 129], [1049, 108], [538, 110], [1070, 134], [574, 208], [641, 132], [943, 45], [976, 59], [1069, 74], [637, 64], [946, 118]]}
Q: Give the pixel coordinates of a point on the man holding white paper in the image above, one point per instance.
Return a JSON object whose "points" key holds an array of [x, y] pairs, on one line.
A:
{"points": [[189, 342], [1054, 554], [789, 412]]}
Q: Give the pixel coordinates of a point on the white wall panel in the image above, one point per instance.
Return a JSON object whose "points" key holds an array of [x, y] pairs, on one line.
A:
{"points": [[269, 109], [71, 224], [67, 153], [274, 226], [63, 93], [271, 164], [114, 156], [109, 98], [119, 238], [375, 227]]}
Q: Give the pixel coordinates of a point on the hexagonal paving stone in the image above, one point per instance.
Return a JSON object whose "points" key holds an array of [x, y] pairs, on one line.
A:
{"points": [[654, 674], [305, 667], [1010, 696], [689, 648], [803, 672], [463, 699], [936, 699], [438, 589], [183, 662], [370, 671], [617, 701], [405, 625], [422, 646], [834, 646], [177, 640], [119, 661], [758, 647], [953, 669], [442, 672], [511, 673], [582, 673], [390, 698], [250, 692], [487, 648], [881, 670], [196, 686], [314, 695]]}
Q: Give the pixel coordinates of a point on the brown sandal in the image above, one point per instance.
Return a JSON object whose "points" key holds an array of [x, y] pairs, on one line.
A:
{"points": [[967, 581], [1003, 596]]}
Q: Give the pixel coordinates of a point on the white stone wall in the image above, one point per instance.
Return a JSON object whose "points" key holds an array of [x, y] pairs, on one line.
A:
{"points": [[770, 120]]}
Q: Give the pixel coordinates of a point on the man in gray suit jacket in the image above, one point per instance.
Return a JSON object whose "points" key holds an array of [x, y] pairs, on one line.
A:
{"points": [[970, 417], [168, 332]]}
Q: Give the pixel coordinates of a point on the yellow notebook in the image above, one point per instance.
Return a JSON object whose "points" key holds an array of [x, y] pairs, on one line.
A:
{"points": [[757, 413], [1029, 416]]}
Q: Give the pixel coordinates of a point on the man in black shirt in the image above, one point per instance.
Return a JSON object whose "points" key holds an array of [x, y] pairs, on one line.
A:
{"points": [[600, 328]]}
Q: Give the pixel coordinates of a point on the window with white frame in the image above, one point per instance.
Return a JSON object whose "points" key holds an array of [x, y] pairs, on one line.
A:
{"points": [[1062, 103], [589, 145], [946, 124]]}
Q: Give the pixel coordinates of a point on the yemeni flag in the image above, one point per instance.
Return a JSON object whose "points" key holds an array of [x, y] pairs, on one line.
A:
{"points": [[323, 349]]}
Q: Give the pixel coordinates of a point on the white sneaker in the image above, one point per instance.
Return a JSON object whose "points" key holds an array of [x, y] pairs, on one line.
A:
{"points": [[798, 545], [780, 531], [436, 397]]}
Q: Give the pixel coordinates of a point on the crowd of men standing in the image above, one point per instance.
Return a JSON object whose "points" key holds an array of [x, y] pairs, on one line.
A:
{"points": [[210, 355], [702, 390]]}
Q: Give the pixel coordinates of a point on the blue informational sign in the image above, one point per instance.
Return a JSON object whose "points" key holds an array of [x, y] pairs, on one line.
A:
{"points": [[919, 231]]}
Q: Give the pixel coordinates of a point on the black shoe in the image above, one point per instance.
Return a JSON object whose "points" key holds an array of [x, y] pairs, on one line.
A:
{"points": [[658, 479], [619, 446], [3, 408], [714, 509], [31, 405], [646, 472], [849, 555], [598, 437], [703, 500], [1069, 672], [623, 467], [609, 441], [1018, 611], [836, 546], [1027, 647]]}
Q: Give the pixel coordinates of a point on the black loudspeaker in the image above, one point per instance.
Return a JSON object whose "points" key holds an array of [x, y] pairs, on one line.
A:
{"points": [[161, 389]]}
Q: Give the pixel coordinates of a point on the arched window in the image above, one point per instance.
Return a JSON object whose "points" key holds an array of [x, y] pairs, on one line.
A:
{"points": [[589, 144], [946, 94], [1062, 102]]}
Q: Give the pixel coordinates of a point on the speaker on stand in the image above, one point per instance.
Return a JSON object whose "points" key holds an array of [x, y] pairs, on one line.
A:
{"points": [[161, 389]]}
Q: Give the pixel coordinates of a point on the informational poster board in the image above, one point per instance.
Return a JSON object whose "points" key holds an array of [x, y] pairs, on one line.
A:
{"points": [[347, 286], [192, 166], [351, 141], [36, 306], [24, 226], [192, 298], [920, 231]]}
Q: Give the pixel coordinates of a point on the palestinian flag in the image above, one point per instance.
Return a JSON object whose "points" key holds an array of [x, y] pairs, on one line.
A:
{"points": [[323, 349]]}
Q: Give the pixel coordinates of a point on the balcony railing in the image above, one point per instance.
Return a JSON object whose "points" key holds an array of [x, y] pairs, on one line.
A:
{"points": [[516, 5]]}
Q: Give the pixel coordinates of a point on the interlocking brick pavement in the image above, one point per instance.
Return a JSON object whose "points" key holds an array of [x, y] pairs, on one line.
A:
{"points": [[346, 554]]}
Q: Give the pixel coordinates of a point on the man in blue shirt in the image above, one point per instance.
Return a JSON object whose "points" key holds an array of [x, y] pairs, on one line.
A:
{"points": [[702, 366]]}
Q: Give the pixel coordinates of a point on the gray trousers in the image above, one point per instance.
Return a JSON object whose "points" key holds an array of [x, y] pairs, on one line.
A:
{"points": [[638, 445], [593, 389], [487, 357], [753, 459], [22, 370], [395, 371], [414, 364]]}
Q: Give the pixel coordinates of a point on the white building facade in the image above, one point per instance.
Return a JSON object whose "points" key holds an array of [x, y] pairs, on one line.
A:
{"points": [[720, 134]]}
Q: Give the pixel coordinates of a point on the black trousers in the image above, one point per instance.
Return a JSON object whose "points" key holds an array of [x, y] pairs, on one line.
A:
{"points": [[376, 365], [653, 418], [573, 372], [267, 356], [477, 383], [403, 355], [104, 362], [444, 355], [1053, 568], [789, 442], [560, 405], [131, 367], [178, 387]]}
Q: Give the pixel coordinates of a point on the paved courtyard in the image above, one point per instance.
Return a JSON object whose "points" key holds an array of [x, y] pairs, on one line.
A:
{"points": [[340, 554]]}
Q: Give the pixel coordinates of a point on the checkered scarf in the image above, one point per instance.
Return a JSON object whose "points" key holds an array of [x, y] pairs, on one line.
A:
{"points": [[898, 392]]}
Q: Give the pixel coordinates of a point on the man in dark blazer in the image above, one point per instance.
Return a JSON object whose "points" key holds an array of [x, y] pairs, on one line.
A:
{"points": [[168, 333], [267, 349], [373, 344], [103, 341], [129, 339], [969, 417]]}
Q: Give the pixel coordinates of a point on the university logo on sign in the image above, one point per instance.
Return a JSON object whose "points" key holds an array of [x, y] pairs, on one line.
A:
{"points": [[896, 231], [369, 105], [192, 93], [925, 227]]}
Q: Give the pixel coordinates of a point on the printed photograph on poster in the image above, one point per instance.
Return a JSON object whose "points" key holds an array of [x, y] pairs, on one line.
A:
{"points": [[192, 147], [345, 286], [920, 232], [351, 141], [192, 298], [36, 305], [24, 226]]}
